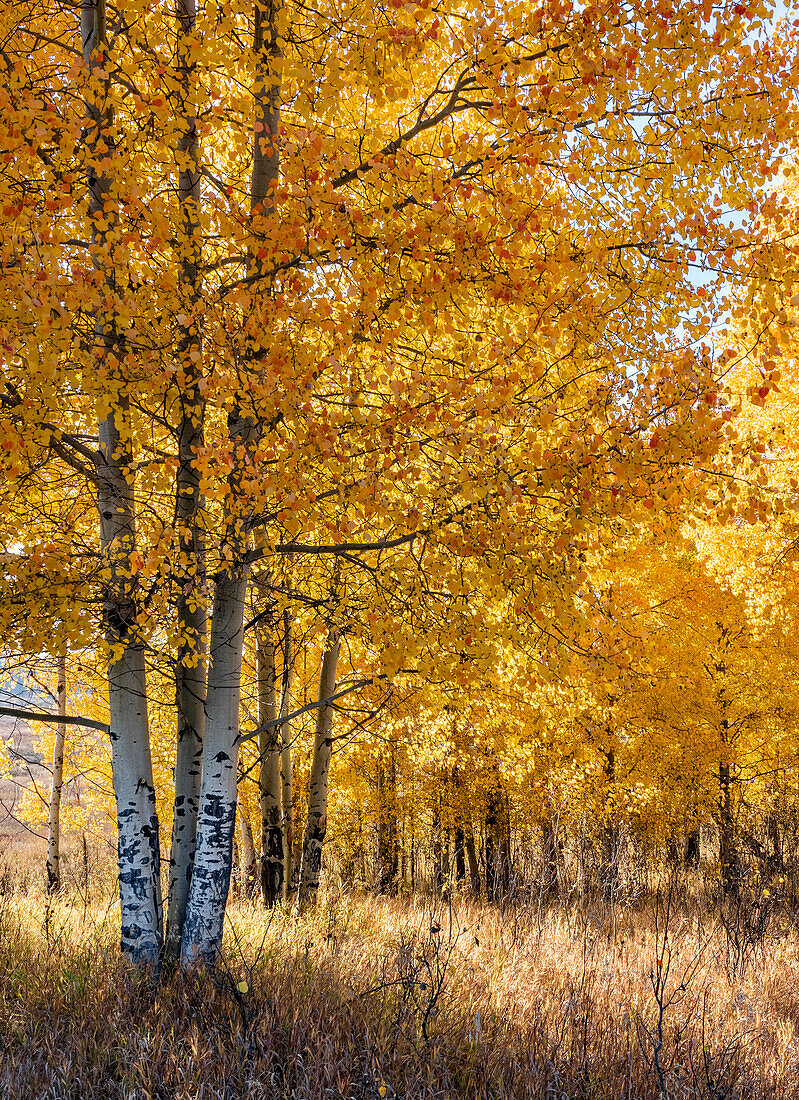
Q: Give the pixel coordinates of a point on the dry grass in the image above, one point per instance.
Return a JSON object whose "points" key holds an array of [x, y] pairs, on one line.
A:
{"points": [[370, 998]]}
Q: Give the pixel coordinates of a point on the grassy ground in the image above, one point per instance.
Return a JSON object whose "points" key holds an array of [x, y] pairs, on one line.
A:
{"points": [[370, 998]]}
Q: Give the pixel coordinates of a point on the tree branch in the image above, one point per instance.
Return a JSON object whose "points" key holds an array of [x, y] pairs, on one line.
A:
{"points": [[45, 716]]}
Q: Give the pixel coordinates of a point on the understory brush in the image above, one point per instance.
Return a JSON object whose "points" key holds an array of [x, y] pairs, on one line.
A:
{"points": [[372, 998]]}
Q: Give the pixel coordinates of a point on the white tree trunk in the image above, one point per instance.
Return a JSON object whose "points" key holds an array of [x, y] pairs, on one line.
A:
{"points": [[316, 822], [191, 667], [213, 856], [137, 821], [138, 848], [54, 815], [138, 844]]}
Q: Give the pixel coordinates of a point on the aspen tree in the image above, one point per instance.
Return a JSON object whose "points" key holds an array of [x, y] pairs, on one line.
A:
{"points": [[269, 756], [202, 933], [387, 813], [551, 856], [248, 857], [213, 857], [318, 783], [460, 855], [137, 821], [54, 810], [471, 857], [286, 775], [609, 828], [191, 667]]}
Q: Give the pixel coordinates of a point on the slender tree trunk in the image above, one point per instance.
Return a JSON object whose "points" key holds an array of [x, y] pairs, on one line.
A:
{"points": [[446, 870], [609, 858], [387, 854], [460, 856], [493, 845], [490, 862], [361, 852], [471, 858], [691, 851], [249, 858], [316, 822], [138, 847], [269, 786], [191, 666], [550, 852], [202, 931], [412, 856], [505, 858], [776, 862], [286, 779], [437, 853], [54, 816], [210, 882], [728, 852]]}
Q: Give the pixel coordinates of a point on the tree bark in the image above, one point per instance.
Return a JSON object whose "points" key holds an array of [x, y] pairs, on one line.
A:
{"points": [[387, 850], [191, 665], [249, 858], [460, 856], [495, 852], [316, 822], [609, 856], [446, 870], [411, 853], [137, 820], [269, 787], [471, 859], [776, 861], [437, 853], [505, 858], [210, 882], [138, 849], [550, 852], [286, 778], [728, 851], [54, 815], [691, 850], [202, 931]]}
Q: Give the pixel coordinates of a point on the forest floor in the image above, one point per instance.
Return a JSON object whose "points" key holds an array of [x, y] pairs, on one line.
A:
{"points": [[368, 998]]}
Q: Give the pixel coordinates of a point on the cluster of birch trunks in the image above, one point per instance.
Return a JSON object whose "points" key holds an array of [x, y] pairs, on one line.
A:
{"points": [[278, 867], [208, 682]]}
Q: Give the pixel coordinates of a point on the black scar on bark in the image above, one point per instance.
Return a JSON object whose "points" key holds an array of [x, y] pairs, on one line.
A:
{"points": [[216, 808], [316, 838], [138, 883], [216, 879]]}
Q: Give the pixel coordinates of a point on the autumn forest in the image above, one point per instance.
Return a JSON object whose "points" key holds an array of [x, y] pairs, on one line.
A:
{"points": [[399, 549]]}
